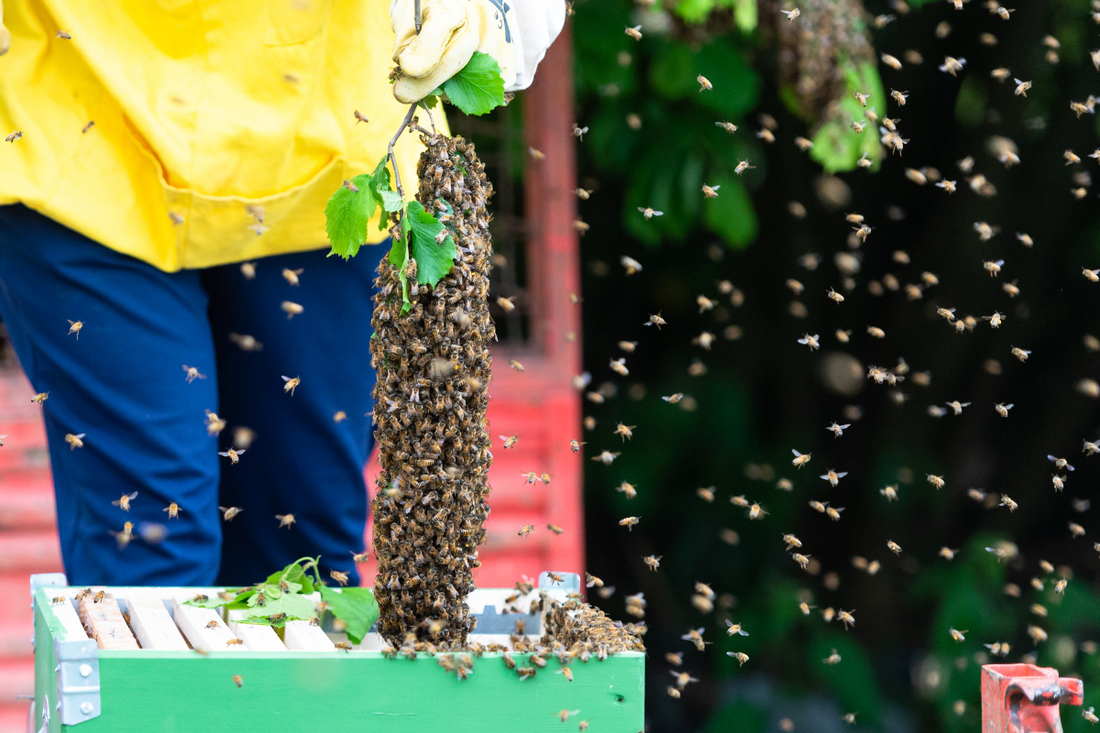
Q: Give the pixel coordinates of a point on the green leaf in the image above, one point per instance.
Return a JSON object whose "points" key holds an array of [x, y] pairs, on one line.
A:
{"points": [[295, 606], [356, 607], [391, 201], [212, 602], [731, 215], [433, 261], [694, 11], [347, 214], [295, 575], [478, 88]]}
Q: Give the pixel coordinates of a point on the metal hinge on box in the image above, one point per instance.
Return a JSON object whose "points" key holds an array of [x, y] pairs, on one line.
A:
{"points": [[77, 669]]}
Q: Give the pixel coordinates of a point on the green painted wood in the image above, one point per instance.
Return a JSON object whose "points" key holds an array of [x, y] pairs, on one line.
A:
{"points": [[179, 692]]}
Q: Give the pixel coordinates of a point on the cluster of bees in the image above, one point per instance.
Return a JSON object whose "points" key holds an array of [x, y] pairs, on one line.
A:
{"points": [[433, 368]]}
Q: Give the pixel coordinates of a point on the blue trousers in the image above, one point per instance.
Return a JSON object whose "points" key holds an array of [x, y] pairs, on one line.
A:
{"points": [[120, 382]]}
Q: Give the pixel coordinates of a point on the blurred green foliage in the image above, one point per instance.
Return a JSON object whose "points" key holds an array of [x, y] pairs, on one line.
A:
{"points": [[756, 393]]}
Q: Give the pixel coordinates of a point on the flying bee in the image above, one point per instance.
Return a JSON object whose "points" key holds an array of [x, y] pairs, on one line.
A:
{"points": [[40, 397], [936, 481], [13, 136], [893, 62], [791, 541], [802, 560], [1011, 289], [710, 192], [516, 365], [628, 489], [673, 692], [1006, 501], [1090, 715], [805, 608], [832, 659], [817, 506], [630, 264], [834, 296], [656, 320], [233, 455], [857, 127], [1071, 157], [626, 431], [952, 66], [1058, 481], [837, 430], [1076, 530], [890, 492], [75, 441], [739, 501], [123, 502], [649, 213], [583, 194], [998, 648], [695, 636], [1020, 354], [756, 512], [635, 32], [575, 445], [791, 14], [704, 83], [629, 522], [766, 135], [673, 398], [291, 309], [727, 126], [1000, 74], [1091, 275], [509, 441], [706, 494], [739, 656], [341, 578], [228, 512], [285, 520], [652, 561], [811, 341], [578, 131], [899, 97], [291, 384], [606, 457], [1021, 87], [833, 513], [861, 98], [733, 628], [506, 304], [948, 186], [847, 618], [995, 320], [947, 553], [957, 406], [1003, 409], [742, 167], [803, 144], [863, 232], [894, 547], [1091, 447], [992, 267], [833, 477], [619, 366], [1060, 463]]}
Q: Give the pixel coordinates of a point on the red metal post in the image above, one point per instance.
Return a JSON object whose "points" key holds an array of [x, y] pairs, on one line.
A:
{"points": [[1024, 698]]}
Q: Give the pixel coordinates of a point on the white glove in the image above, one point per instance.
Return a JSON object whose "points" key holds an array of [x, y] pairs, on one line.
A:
{"points": [[514, 32], [5, 34]]}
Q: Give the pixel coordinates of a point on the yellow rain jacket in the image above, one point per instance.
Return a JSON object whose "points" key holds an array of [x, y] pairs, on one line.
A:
{"points": [[203, 111]]}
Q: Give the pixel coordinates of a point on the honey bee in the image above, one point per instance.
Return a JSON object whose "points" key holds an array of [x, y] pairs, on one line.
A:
{"points": [[710, 192], [649, 212], [173, 510], [727, 126], [894, 547], [857, 127], [876, 332], [13, 136], [606, 457], [1091, 275], [213, 624], [233, 455], [936, 481], [766, 135], [40, 397], [1091, 447], [948, 186], [739, 656], [833, 513], [556, 529], [732, 628], [803, 144], [343, 646], [123, 502], [805, 608], [742, 167], [58, 600], [791, 14], [811, 341], [98, 598], [695, 636], [291, 309], [837, 430], [952, 65], [1011, 289], [834, 296], [992, 267], [998, 648], [890, 492], [1076, 530], [291, 276], [817, 506], [802, 560], [863, 232], [635, 32], [1006, 501], [626, 431], [791, 541], [656, 320], [619, 366], [285, 520], [1060, 463], [704, 83], [1059, 482], [538, 154], [832, 659], [1021, 87], [575, 446], [1090, 715], [628, 489], [228, 512], [833, 477], [847, 618], [509, 441], [629, 522]]}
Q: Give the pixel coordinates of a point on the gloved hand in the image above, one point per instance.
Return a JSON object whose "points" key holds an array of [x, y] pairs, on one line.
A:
{"points": [[5, 35], [451, 31]]}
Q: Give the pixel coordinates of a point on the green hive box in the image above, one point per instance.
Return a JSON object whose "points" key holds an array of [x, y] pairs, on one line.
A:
{"points": [[80, 687]]}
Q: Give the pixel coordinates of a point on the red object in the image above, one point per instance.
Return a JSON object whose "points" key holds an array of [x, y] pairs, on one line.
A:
{"points": [[539, 404], [1023, 698]]}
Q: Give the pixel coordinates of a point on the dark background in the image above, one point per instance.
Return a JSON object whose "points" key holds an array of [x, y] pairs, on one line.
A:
{"points": [[764, 394]]}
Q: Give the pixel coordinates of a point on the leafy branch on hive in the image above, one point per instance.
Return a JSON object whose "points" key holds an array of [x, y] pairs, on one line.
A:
{"points": [[285, 596]]}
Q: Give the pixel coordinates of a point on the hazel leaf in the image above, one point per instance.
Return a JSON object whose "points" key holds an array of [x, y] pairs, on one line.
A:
{"points": [[434, 258], [479, 87]]}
